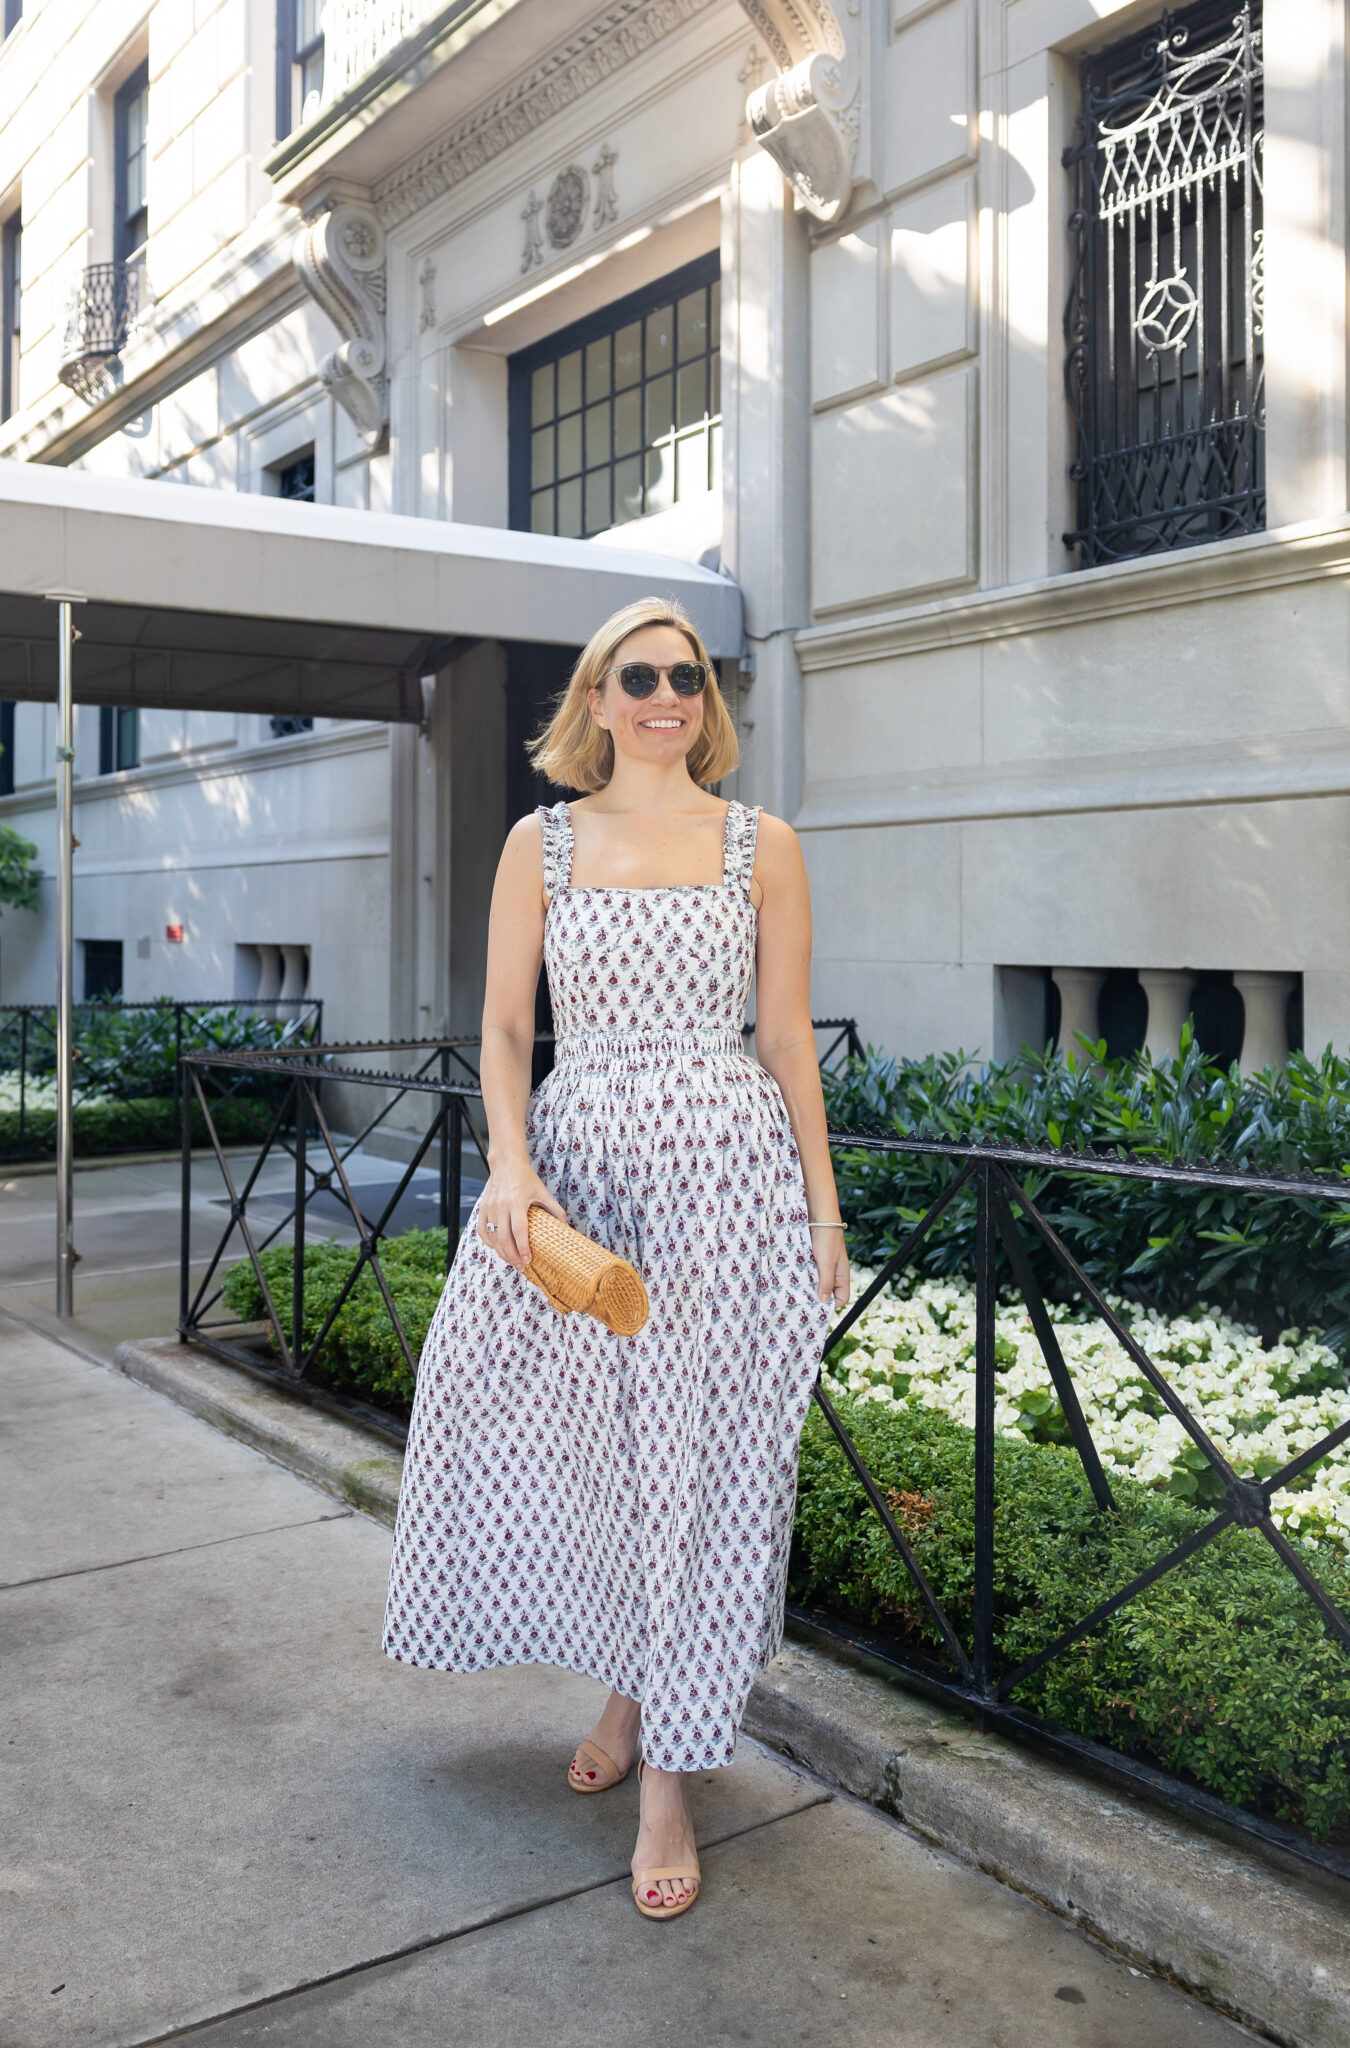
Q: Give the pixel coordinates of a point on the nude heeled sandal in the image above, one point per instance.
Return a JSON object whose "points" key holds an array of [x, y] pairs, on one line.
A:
{"points": [[671, 1873], [594, 1754]]}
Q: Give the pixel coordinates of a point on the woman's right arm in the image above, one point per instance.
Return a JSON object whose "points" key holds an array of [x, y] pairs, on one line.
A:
{"points": [[515, 953]]}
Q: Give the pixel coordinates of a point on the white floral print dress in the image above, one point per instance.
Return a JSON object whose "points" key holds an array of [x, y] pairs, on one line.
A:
{"points": [[623, 1506]]}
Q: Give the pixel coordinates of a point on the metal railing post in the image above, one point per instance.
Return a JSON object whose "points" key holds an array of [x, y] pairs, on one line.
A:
{"points": [[185, 1219], [65, 959], [443, 1197], [982, 1645], [454, 1191], [298, 1234], [23, 1073]]}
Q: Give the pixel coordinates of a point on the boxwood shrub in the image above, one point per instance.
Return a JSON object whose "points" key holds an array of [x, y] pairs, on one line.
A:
{"points": [[361, 1354], [1222, 1671], [145, 1123]]}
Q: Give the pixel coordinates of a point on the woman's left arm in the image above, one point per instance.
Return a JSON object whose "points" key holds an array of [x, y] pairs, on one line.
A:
{"points": [[784, 1040]]}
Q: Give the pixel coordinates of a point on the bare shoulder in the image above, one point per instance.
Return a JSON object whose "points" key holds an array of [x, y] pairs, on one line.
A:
{"points": [[778, 850], [522, 858]]}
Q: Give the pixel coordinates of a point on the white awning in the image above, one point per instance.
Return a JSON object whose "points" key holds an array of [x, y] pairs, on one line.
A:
{"points": [[221, 601]]}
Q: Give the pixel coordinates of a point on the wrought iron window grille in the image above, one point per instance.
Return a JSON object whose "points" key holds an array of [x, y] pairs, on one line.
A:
{"points": [[102, 309], [1165, 316], [444, 1070]]}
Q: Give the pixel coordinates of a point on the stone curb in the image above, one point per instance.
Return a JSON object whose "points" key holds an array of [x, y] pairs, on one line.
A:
{"points": [[1258, 1937]]}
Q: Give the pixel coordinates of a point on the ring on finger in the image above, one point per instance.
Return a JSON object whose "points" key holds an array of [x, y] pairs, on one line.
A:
{"points": [[490, 1227]]}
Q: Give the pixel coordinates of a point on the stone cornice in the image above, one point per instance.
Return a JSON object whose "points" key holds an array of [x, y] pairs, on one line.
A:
{"points": [[1289, 555], [1274, 768], [623, 31], [355, 736]]}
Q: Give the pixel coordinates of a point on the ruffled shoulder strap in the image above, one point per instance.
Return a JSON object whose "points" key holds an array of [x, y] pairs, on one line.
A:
{"points": [[556, 826], [738, 855]]}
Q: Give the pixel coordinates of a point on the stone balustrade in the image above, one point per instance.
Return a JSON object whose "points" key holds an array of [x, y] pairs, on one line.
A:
{"points": [[1170, 995]]}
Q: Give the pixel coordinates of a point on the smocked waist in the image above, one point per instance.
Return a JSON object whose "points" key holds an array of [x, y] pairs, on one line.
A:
{"points": [[648, 1047]]}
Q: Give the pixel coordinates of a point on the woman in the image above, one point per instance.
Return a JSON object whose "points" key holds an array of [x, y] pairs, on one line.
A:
{"points": [[623, 1506]]}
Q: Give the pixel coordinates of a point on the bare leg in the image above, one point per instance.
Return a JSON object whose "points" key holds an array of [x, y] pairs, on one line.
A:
{"points": [[616, 1732], [665, 1836]]}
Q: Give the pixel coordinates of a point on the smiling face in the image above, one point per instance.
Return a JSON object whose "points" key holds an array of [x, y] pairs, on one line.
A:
{"points": [[660, 728]]}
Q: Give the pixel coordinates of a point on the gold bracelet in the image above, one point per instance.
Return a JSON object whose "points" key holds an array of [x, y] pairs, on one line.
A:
{"points": [[827, 1226]]}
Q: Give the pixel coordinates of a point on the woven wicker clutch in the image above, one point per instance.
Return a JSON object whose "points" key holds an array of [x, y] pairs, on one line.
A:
{"points": [[578, 1274]]}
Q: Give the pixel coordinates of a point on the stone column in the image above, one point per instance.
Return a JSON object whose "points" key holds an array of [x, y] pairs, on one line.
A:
{"points": [[1169, 1005], [1265, 1004], [1079, 988], [765, 414], [1302, 296]]}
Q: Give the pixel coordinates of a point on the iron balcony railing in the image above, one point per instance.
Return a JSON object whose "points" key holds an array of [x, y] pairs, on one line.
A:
{"points": [[358, 35], [973, 1680], [102, 308], [126, 1053]]}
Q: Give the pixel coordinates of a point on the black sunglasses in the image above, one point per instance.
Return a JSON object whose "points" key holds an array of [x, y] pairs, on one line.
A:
{"points": [[639, 678]]}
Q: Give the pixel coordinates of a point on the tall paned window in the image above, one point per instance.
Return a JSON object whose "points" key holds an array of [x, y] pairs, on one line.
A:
{"points": [[622, 414], [1165, 318], [131, 218], [119, 738], [299, 62], [11, 302]]}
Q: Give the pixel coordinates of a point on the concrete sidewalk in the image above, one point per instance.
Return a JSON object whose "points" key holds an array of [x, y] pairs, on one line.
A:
{"points": [[226, 1812], [128, 1230]]}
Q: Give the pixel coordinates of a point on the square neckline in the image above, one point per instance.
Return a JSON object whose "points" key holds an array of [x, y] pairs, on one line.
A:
{"points": [[570, 888]]}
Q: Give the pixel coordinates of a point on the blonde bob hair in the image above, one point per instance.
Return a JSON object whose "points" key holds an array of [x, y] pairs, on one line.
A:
{"points": [[576, 753]]}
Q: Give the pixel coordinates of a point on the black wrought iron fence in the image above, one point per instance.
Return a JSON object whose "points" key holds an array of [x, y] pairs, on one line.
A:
{"points": [[127, 1071], [972, 1678]]}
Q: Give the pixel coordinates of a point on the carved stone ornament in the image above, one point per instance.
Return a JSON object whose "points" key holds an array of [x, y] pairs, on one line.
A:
{"points": [[533, 251], [340, 260], [606, 199], [569, 198], [426, 278], [806, 116]]}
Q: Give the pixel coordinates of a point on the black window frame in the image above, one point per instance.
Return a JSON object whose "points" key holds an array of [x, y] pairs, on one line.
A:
{"points": [[704, 270], [295, 477], [6, 749], [1164, 321], [126, 247], [11, 311], [292, 56], [119, 738], [99, 957]]}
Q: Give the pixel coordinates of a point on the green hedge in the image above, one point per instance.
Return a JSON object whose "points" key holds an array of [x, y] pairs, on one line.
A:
{"points": [[361, 1354], [1222, 1671], [132, 1053], [1270, 1260], [146, 1123]]}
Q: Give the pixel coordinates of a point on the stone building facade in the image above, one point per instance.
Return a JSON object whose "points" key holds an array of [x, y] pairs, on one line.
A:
{"points": [[997, 348]]}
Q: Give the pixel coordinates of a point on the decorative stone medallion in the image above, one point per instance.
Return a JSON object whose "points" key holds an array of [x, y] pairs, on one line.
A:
{"points": [[565, 210]]}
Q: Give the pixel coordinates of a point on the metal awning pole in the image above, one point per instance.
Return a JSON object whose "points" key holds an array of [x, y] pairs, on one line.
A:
{"points": [[65, 958]]}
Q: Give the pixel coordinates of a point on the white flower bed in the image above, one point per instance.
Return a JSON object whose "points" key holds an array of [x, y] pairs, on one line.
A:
{"points": [[37, 1094], [916, 1346]]}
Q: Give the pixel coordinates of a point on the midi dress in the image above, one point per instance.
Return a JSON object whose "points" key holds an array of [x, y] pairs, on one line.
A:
{"points": [[622, 1506]]}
